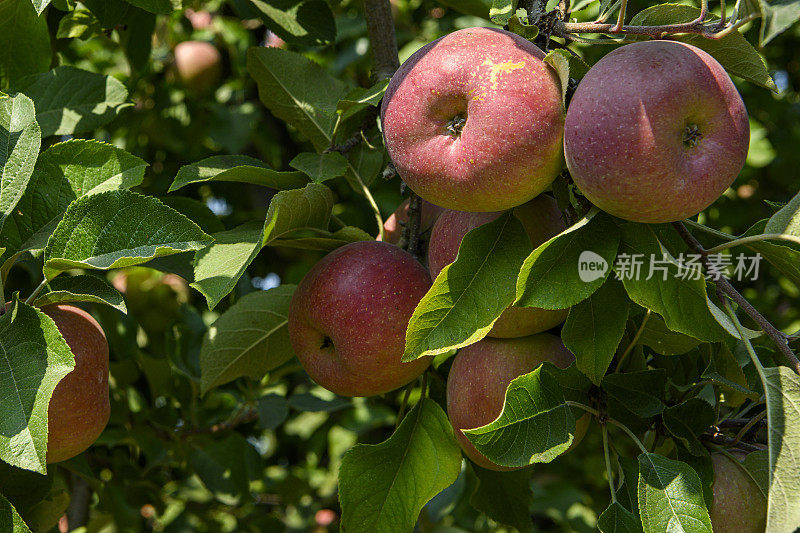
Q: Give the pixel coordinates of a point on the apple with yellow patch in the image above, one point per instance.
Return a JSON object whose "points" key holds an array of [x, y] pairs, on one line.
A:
{"points": [[474, 121]]}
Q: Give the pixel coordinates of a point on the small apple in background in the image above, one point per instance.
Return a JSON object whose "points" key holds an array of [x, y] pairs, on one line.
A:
{"points": [[80, 405], [273, 41], [480, 375], [474, 121], [739, 506], [655, 132], [349, 314], [541, 219], [198, 65], [393, 227], [200, 19]]}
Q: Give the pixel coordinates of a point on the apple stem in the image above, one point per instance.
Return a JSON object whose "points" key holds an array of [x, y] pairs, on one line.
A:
{"points": [[609, 471], [780, 339], [36, 292]]}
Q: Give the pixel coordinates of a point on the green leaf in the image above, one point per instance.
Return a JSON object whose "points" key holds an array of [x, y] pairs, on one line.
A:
{"points": [[782, 389], [236, 168], [78, 24], [502, 11], [70, 100], [63, 173], [33, 358], [670, 496], [157, 7], [249, 339], [683, 303], [504, 497], [380, 486], [476, 8], [115, 229], [321, 401], [535, 426], [24, 42], [757, 465], [297, 91], [733, 51], [109, 12], [787, 220], [320, 167], [361, 98], [687, 421], [617, 519], [594, 328], [778, 16], [218, 268], [724, 370], [556, 263], [303, 22], [566, 66], [81, 288], [272, 411], [325, 241], [137, 40], [225, 466], [635, 397], [663, 340], [20, 139], [469, 294], [9, 518]]}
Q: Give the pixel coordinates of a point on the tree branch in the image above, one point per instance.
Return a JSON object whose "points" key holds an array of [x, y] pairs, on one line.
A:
{"points": [[723, 285], [382, 40]]}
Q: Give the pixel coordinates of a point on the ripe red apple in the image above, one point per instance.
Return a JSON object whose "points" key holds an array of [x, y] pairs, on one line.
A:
{"points": [[474, 120], [80, 406], [198, 64], [541, 219], [739, 506], [655, 132], [348, 318], [480, 375], [393, 227]]}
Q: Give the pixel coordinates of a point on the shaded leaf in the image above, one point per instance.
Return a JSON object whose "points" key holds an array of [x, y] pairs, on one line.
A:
{"points": [[687, 421], [236, 168], [81, 288], [20, 139], [663, 340], [320, 167], [594, 328], [303, 22], [19, 23], [249, 339], [617, 519], [504, 497], [9, 518], [272, 411]]}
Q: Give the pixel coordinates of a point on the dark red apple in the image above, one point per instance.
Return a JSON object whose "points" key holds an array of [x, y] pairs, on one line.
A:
{"points": [[348, 318]]}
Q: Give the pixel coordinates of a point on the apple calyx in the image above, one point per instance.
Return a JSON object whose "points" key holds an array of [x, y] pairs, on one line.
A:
{"points": [[691, 135], [455, 125]]}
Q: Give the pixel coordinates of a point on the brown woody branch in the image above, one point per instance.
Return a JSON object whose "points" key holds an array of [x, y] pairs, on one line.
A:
{"points": [[780, 339]]}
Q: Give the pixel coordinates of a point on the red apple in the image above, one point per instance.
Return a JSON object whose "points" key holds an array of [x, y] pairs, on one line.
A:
{"points": [[393, 227], [480, 375], [348, 318], [198, 64], [655, 132], [80, 406], [541, 219], [474, 121], [739, 506]]}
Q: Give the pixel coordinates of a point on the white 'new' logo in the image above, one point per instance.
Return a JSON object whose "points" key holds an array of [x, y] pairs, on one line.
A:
{"points": [[591, 266]]}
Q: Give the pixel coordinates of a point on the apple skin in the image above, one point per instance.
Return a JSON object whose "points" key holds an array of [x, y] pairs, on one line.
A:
{"points": [[480, 375], [393, 227], [739, 506], [509, 149], [541, 219], [80, 405], [626, 125], [349, 314], [198, 64]]}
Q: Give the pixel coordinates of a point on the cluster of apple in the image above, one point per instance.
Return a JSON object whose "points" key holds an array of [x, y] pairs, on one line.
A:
{"points": [[475, 124]]}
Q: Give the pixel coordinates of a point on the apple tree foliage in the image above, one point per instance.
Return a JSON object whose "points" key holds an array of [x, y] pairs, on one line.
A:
{"points": [[183, 220]]}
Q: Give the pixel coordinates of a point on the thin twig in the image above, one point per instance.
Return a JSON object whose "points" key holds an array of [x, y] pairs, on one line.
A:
{"points": [[633, 342], [748, 427], [382, 40], [723, 285], [738, 422], [245, 417], [752, 239], [609, 472], [719, 438]]}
